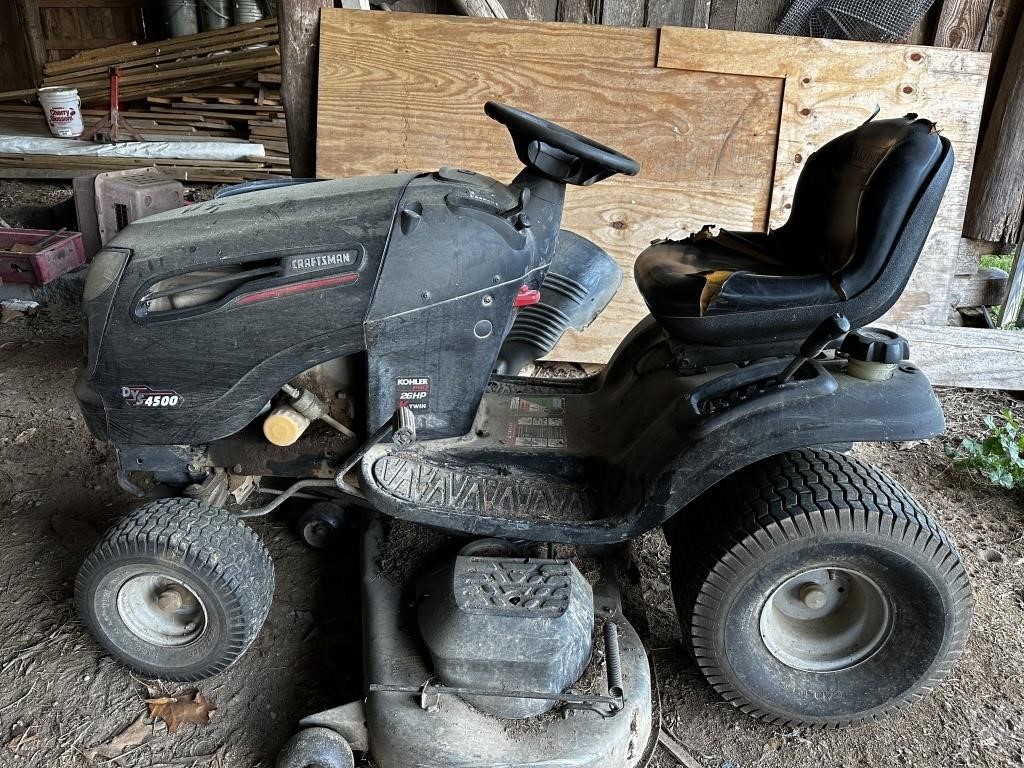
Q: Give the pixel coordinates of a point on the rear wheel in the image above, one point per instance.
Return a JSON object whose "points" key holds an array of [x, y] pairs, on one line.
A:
{"points": [[812, 590], [177, 590]]}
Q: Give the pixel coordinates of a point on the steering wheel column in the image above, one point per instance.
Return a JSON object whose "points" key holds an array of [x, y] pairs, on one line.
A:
{"points": [[557, 153]]}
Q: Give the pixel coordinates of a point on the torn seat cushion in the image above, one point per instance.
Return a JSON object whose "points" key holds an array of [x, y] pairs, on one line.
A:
{"points": [[702, 276], [850, 209]]}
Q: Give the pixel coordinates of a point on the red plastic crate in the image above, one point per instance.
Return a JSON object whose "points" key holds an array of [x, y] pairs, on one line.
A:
{"points": [[60, 256]]}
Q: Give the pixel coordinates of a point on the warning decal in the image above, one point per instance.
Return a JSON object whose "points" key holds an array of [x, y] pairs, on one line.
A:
{"points": [[539, 422]]}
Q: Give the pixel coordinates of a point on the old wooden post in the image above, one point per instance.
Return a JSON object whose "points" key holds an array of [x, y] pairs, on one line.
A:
{"points": [[299, 22], [28, 13], [997, 194], [962, 24]]}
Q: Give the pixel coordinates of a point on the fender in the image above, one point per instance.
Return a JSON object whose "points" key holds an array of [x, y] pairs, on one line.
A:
{"points": [[703, 428]]}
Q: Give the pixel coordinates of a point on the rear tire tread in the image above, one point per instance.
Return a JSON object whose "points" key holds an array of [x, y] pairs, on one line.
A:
{"points": [[714, 542]]}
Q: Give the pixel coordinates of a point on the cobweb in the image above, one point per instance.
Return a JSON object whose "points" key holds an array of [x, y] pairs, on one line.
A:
{"points": [[869, 20]]}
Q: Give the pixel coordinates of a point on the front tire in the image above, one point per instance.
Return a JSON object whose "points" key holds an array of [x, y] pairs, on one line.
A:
{"points": [[177, 590], [813, 591]]}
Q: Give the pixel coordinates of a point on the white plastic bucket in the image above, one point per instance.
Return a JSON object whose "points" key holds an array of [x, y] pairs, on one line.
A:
{"points": [[63, 110]]}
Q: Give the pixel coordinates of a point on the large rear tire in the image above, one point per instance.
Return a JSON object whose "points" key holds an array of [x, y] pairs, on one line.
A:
{"points": [[813, 591], [177, 590]]}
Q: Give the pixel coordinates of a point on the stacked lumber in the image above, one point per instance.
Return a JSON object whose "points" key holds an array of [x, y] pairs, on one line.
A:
{"points": [[68, 166], [253, 110], [181, 64], [221, 85]]}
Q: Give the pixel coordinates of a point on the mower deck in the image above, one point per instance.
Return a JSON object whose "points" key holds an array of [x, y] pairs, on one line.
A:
{"points": [[436, 730]]}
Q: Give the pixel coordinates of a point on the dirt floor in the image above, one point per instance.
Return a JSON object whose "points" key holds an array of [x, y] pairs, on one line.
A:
{"points": [[61, 697]]}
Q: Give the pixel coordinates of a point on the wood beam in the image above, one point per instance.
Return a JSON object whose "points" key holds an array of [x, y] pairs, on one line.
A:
{"points": [[997, 196], [977, 358], [577, 11], [1010, 315], [299, 23], [986, 288], [962, 24], [28, 13], [623, 13]]}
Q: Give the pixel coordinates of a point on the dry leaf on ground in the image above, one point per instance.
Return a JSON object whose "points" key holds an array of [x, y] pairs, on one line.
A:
{"points": [[189, 706], [133, 736], [23, 740]]}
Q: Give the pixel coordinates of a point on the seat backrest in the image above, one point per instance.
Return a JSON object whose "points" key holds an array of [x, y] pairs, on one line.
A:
{"points": [[854, 196]]}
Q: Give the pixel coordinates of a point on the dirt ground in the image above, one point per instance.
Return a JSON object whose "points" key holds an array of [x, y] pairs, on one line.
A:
{"points": [[60, 695]]}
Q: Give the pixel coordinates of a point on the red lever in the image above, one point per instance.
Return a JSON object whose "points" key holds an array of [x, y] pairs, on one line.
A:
{"points": [[526, 298]]}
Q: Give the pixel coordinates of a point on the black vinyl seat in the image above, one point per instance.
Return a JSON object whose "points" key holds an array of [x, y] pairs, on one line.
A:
{"points": [[863, 207]]}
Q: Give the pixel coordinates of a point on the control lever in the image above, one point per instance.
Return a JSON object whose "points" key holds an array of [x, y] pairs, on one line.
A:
{"points": [[831, 329], [401, 427], [517, 213]]}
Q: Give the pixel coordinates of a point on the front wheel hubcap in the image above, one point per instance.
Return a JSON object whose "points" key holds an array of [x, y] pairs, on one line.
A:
{"points": [[161, 610], [825, 619]]}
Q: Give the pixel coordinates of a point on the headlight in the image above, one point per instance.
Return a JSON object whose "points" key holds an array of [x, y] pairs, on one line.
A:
{"points": [[104, 271]]}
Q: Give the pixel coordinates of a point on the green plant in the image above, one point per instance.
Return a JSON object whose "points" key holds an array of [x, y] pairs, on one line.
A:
{"points": [[1003, 261], [998, 455]]}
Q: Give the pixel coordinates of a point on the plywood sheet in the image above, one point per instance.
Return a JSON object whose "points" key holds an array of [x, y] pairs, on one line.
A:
{"points": [[720, 121], [832, 86], [402, 91]]}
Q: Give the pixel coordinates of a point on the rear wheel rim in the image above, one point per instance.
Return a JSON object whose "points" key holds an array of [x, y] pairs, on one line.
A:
{"points": [[161, 610], [826, 619]]}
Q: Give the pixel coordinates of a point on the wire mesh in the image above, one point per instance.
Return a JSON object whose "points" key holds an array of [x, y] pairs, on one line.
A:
{"points": [[869, 20]]}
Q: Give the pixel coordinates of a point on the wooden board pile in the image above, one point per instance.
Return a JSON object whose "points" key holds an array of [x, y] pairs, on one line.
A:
{"points": [[171, 66], [221, 85]]}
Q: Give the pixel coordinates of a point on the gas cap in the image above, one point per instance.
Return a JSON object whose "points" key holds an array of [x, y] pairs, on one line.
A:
{"points": [[874, 353]]}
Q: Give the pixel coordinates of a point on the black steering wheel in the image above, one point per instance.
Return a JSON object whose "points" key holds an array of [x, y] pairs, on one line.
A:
{"points": [[557, 152]]}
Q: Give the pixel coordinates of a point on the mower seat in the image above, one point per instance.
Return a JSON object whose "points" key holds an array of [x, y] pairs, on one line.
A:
{"points": [[862, 209]]}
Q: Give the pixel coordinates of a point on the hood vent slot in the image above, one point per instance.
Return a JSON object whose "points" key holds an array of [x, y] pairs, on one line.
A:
{"points": [[185, 293]]}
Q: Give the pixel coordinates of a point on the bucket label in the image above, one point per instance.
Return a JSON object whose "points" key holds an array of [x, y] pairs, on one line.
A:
{"points": [[63, 110], [60, 115]]}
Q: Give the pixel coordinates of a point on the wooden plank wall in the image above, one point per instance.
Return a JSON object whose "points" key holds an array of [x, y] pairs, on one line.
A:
{"points": [[703, 115], [746, 15], [35, 32], [16, 66], [70, 26]]}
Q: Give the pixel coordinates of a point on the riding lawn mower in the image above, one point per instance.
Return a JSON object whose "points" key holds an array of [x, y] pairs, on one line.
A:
{"points": [[355, 345]]}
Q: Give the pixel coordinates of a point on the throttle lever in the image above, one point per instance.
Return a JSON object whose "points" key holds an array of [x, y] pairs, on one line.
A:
{"points": [[829, 330]]}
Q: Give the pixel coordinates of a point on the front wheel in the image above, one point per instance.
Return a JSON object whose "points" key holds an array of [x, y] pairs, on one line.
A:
{"points": [[177, 590], [813, 591]]}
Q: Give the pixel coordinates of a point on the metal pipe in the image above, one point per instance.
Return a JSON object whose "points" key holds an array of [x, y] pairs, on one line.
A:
{"points": [[285, 495]]}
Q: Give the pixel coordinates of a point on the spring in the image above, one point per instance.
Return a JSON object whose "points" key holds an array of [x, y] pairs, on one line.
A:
{"points": [[612, 660]]}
